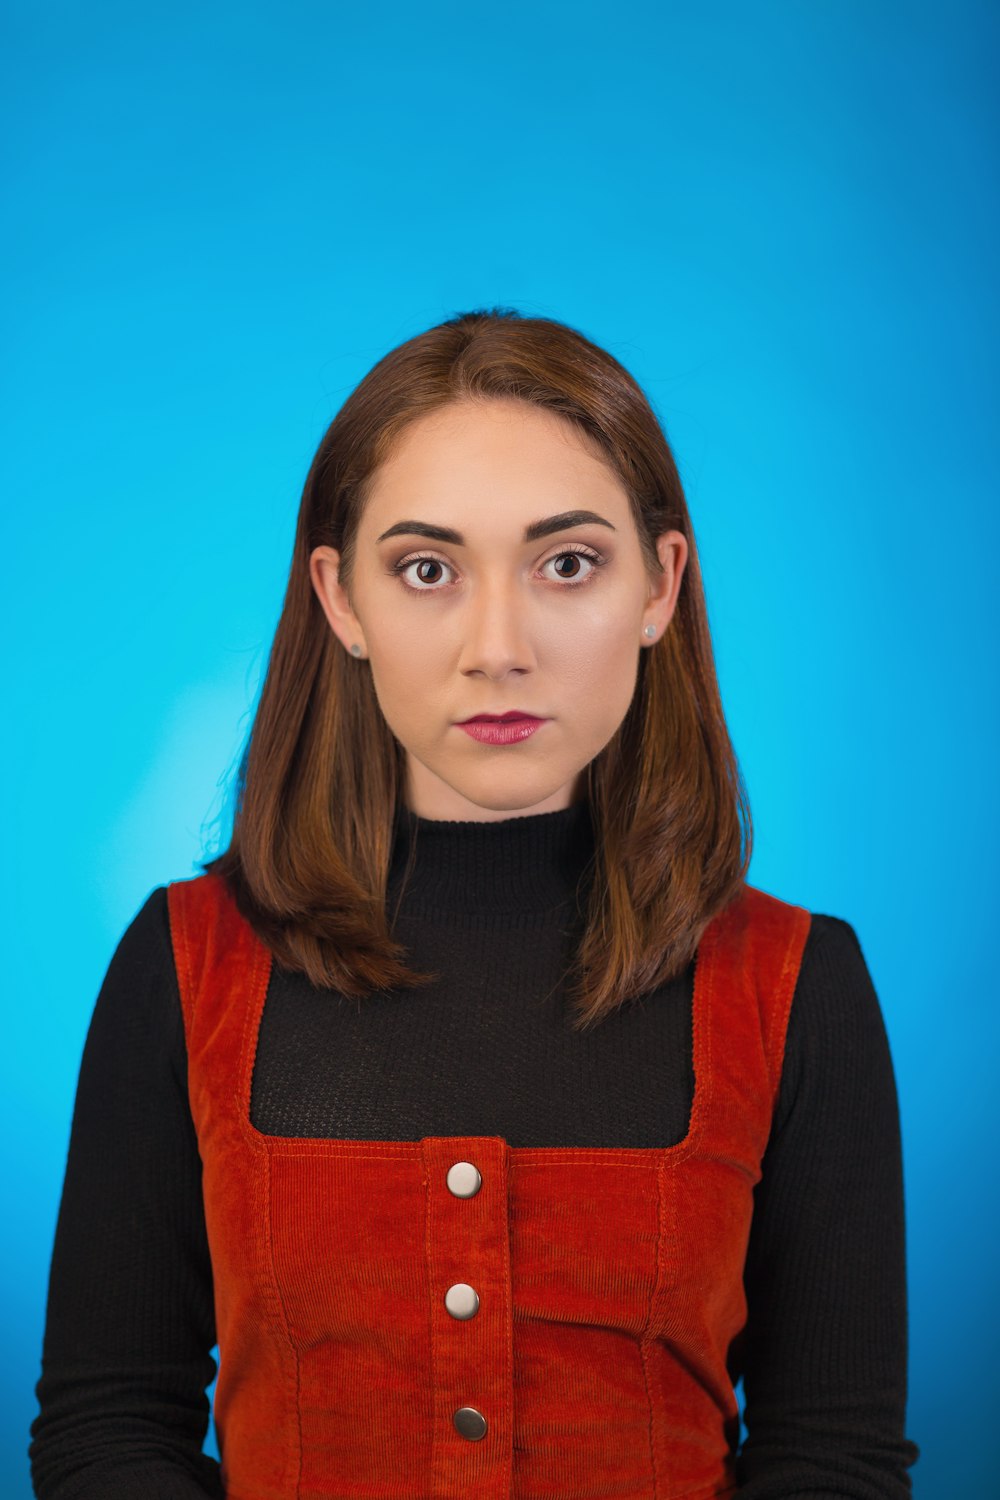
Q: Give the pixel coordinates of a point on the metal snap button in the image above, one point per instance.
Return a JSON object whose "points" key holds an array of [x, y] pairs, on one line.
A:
{"points": [[470, 1423], [461, 1300], [464, 1180]]}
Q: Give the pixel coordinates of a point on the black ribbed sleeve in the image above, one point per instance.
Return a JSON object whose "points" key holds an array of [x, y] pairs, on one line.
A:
{"points": [[130, 1324], [826, 1350]]}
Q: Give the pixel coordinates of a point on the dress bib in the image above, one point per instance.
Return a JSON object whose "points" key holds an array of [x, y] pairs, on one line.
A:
{"points": [[454, 1317]]}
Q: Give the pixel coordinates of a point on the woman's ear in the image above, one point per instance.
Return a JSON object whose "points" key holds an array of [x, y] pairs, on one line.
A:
{"points": [[324, 571], [672, 550]]}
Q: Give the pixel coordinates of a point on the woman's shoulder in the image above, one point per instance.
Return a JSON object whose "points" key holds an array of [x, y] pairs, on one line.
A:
{"points": [[146, 942], [837, 1041], [829, 946], [834, 967], [141, 977], [137, 1014]]}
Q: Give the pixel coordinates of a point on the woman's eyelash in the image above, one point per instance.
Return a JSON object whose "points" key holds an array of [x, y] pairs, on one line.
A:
{"points": [[576, 551]]}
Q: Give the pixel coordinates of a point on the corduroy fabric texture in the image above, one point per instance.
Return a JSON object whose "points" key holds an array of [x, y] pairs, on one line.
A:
{"points": [[606, 1344]]}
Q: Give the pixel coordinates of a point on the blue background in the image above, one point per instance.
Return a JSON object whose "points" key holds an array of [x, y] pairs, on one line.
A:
{"points": [[781, 217]]}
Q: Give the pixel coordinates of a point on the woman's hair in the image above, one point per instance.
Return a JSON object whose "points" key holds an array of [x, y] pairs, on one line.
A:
{"points": [[322, 775]]}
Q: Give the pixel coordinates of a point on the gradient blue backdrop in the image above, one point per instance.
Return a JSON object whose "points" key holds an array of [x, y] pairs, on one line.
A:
{"points": [[781, 217]]}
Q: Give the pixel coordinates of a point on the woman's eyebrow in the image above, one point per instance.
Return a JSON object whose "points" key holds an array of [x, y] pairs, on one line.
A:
{"points": [[536, 529]]}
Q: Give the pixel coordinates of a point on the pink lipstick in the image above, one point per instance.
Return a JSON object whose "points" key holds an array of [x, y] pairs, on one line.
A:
{"points": [[505, 729]]}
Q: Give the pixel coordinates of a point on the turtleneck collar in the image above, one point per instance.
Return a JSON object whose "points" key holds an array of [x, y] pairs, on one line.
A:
{"points": [[515, 864]]}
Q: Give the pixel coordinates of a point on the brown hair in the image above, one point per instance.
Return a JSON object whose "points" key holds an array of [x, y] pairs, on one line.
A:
{"points": [[321, 775]]}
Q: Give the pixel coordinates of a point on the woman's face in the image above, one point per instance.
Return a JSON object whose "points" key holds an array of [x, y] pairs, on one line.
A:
{"points": [[536, 600]]}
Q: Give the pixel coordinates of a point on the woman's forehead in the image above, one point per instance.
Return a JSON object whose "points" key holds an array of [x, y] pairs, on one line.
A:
{"points": [[527, 462]]}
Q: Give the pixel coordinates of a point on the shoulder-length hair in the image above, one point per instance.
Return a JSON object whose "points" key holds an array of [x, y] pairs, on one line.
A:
{"points": [[321, 775]]}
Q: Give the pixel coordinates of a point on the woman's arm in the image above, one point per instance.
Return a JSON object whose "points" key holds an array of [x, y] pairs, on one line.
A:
{"points": [[130, 1322], [825, 1352]]}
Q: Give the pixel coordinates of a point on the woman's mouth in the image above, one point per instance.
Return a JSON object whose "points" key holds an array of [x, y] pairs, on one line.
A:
{"points": [[508, 730]]}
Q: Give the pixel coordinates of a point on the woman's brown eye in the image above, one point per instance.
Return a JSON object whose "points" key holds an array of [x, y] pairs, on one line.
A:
{"points": [[573, 574], [427, 562]]}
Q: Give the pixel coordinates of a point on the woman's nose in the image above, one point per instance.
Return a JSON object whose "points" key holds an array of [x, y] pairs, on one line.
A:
{"points": [[495, 634]]}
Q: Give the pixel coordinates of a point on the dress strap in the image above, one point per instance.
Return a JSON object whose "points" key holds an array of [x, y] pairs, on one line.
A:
{"points": [[753, 950]]}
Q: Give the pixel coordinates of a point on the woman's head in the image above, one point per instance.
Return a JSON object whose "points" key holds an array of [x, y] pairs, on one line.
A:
{"points": [[497, 565], [486, 427]]}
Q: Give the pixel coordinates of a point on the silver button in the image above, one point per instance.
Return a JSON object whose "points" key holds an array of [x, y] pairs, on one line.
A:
{"points": [[462, 1301], [464, 1180], [470, 1423]]}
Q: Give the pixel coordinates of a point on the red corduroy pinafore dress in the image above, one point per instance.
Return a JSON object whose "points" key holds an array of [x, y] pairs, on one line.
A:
{"points": [[601, 1357]]}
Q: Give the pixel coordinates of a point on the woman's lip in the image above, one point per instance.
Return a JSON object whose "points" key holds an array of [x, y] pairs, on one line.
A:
{"points": [[511, 718], [501, 731]]}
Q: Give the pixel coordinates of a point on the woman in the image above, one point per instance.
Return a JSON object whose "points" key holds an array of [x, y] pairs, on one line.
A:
{"points": [[472, 1101]]}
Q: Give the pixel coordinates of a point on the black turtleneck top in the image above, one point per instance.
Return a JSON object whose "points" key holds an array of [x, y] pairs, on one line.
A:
{"points": [[494, 909]]}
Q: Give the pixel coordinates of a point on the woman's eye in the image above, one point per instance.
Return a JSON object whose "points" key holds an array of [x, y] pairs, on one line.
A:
{"points": [[574, 574], [421, 583], [426, 575]]}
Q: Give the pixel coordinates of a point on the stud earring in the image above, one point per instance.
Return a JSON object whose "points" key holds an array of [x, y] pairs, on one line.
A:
{"points": [[355, 650], [650, 629]]}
